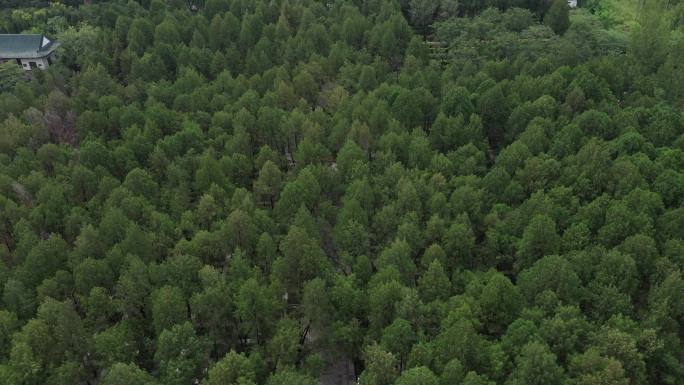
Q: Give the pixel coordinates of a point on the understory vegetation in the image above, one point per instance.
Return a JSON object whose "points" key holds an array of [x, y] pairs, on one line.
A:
{"points": [[242, 192]]}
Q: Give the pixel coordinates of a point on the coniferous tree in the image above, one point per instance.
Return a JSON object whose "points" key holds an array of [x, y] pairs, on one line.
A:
{"points": [[558, 17]]}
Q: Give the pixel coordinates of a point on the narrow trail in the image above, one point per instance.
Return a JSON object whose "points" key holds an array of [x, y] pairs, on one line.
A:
{"points": [[340, 372], [340, 369]]}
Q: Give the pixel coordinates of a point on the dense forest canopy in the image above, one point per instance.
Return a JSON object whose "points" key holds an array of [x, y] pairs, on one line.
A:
{"points": [[428, 192]]}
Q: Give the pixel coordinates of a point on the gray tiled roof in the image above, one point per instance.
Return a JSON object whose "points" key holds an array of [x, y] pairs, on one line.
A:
{"points": [[25, 46]]}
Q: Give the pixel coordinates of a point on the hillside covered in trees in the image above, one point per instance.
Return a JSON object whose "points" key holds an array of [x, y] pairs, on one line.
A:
{"points": [[437, 192]]}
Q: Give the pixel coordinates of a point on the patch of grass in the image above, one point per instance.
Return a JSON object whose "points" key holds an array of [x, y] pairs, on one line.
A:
{"points": [[618, 14]]}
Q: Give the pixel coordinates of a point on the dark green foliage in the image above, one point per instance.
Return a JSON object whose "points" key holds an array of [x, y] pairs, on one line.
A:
{"points": [[558, 17], [537, 365], [121, 374], [428, 192], [10, 75], [417, 376], [234, 368], [538, 240], [180, 354]]}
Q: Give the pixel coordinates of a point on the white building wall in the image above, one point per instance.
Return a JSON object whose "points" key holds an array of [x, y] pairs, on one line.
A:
{"points": [[41, 63]]}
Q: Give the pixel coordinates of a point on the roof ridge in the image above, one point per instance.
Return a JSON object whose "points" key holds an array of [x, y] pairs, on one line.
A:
{"points": [[26, 45]]}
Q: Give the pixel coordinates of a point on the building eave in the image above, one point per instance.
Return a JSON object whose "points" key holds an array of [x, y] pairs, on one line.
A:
{"points": [[26, 52]]}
